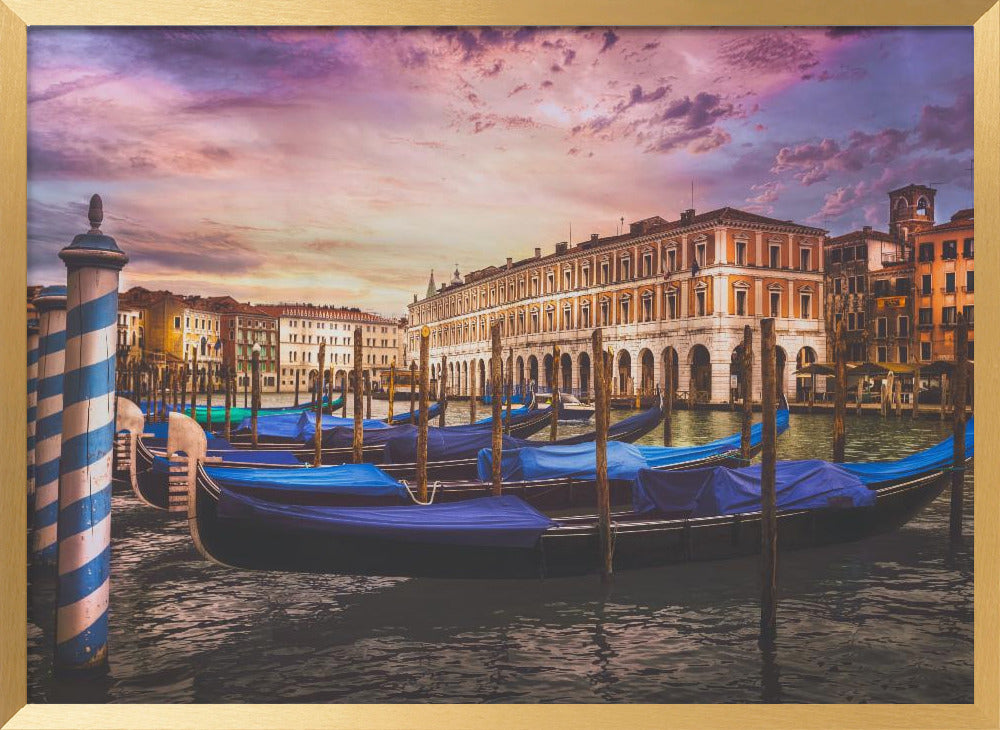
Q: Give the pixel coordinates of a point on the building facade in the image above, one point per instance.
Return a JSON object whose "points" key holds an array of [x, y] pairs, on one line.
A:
{"points": [[682, 289], [176, 327], [945, 278], [242, 325], [302, 327]]}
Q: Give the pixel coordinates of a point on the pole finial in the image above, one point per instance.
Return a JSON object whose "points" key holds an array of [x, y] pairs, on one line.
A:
{"points": [[96, 213]]}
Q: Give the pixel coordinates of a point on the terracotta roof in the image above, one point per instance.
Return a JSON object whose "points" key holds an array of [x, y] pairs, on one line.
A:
{"points": [[961, 224], [860, 235]]}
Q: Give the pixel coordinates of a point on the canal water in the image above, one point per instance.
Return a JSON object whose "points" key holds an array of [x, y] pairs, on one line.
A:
{"points": [[889, 619]]}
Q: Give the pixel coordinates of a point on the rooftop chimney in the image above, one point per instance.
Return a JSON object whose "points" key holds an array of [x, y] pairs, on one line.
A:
{"points": [[510, 262], [562, 247], [687, 216], [867, 229], [538, 253], [594, 236]]}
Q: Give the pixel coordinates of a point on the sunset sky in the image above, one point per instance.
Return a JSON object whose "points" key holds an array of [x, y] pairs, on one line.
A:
{"points": [[340, 166]]}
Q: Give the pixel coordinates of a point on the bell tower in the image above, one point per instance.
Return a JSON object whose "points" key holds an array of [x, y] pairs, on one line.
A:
{"points": [[911, 210]]}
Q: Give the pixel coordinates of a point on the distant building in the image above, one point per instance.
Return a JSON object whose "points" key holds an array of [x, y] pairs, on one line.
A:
{"points": [[176, 327], [242, 326], [682, 289], [302, 327]]}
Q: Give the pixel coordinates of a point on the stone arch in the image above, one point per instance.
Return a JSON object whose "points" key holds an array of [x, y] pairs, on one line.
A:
{"points": [[519, 373], [583, 363], [780, 368], [804, 385], [566, 372], [532, 370], [671, 352], [547, 370], [700, 362], [481, 389], [623, 373], [647, 377]]}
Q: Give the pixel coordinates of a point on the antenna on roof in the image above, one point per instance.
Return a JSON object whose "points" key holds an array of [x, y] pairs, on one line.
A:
{"points": [[692, 193]]}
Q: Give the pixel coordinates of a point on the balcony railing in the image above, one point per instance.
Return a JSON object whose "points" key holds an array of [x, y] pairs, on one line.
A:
{"points": [[946, 290]]}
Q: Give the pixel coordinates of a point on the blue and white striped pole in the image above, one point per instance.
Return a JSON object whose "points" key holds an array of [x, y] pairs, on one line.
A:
{"points": [[93, 263], [32, 409], [51, 306]]}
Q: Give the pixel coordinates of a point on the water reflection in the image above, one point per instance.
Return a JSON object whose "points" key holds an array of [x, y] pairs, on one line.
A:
{"points": [[884, 620]]}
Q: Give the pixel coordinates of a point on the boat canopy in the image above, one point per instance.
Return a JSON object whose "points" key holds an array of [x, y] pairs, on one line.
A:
{"points": [[446, 444], [811, 484], [939, 456], [503, 521], [514, 413], [301, 426], [579, 461], [433, 410], [346, 479]]}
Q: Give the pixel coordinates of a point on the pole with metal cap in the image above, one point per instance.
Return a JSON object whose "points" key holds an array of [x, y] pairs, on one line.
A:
{"points": [[93, 262]]}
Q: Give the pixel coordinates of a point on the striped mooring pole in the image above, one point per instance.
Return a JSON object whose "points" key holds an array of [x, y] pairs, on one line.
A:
{"points": [[32, 408], [51, 306], [93, 262]]}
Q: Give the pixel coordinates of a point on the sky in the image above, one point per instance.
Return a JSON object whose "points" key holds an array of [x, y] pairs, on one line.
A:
{"points": [[340, 166]]}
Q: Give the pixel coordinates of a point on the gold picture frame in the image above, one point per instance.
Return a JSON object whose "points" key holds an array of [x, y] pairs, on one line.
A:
{"points": [[16, 15]]}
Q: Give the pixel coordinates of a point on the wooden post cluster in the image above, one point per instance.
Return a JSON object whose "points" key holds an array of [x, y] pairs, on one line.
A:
{"points": [[359, 431], [601, 446], [392, 390], [958, 413], [768, 501], [839, 392], [425, 334], [746, 381], [318, 405], [496, 387]]}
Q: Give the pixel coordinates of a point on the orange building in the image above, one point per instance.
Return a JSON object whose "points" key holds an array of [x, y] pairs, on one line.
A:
{"points": [[945, 287]]}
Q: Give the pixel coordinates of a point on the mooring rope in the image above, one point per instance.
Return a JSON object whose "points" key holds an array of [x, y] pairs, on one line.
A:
{"points": [[430, 500]]}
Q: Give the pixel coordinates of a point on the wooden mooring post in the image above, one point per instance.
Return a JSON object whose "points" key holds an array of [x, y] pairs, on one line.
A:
{"points": [[554, 416], [208, 395], [345, 383], [915, 405], [318, 406], [668, 400], [496, 402], [368, 393], [413, 390], [510, 387], [227, 374], [164, 373], [443, 395], [768, 501], [255, 394], [473, 376], [746, 383], [184, 384], [297, 374], [194, 385], [958, 415], [359, 431], [425, 335], [839, 392], [392, 390], [601, 407]]}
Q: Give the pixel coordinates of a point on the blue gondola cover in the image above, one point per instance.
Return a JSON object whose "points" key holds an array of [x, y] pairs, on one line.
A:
{"points": [[347, 479], [939, 456], [811, 484], [433, 410], [503, 521], [241, 456]]}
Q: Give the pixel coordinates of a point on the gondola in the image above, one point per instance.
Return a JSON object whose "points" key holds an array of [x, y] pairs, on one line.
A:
{"points": [[690, 515], [153, 471], [237, 413], [571, 410]]}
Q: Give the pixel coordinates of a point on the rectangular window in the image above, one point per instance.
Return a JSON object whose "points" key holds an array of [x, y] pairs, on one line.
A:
{"points": [[626, 267], [967, 312], [925, 350], [699, 304], [904, 353], [949, 250], [672, 260], [881, 354], [568, 279], [585, 317], [605, 272], [949, 282], [851, 284], [861, 252], [835, 256], [903, 324], [549, 320], [881, 327], [647, 309], [925, 316], [902, 287], [805, 305], [625, 311], [970, 281], [741, 302], [925, 284], [647, 264], [177, 323], [605, 313], [850, 320], [968, 248], [804, 258], [550, 282], [567, 319], [775, 257], [947, 315], [775, 304], [741, 252], [849, 254], [925, 252], [699, 253], [861, 320], [837, 319], [672, 305], [860, 284]]}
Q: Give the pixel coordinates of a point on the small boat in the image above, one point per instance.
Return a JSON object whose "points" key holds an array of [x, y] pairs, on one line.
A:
{"points": [[238, 413], [570, 408], [677, 516]]}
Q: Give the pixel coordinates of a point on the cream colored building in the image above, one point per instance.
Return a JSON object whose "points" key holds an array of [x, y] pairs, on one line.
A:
{"points": [[682, 289]]}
